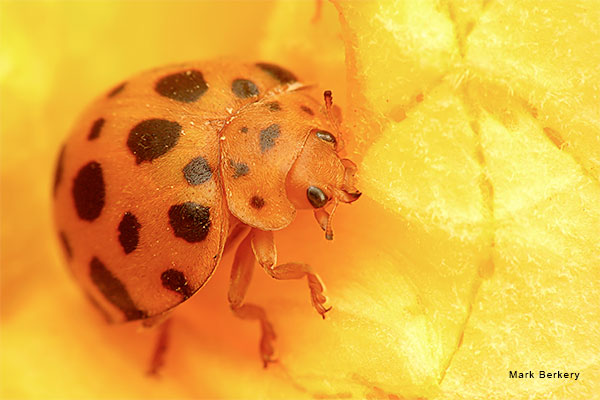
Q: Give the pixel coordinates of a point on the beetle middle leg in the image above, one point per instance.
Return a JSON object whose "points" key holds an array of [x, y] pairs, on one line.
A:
{"points": [[241, 274]]}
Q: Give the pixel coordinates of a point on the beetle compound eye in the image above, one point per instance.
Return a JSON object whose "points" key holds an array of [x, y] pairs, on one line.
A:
{"points": [[326, 136], [316, 197]]}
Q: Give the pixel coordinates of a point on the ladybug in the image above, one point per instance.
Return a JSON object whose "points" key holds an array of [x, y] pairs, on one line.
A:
{"points": [[169, 169]]}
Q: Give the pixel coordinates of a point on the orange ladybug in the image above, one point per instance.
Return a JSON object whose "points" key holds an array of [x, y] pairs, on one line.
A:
{"points": [[163, 172]]}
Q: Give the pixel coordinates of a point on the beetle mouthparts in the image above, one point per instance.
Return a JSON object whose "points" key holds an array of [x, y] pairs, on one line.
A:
{"points": [[346, 196], [348, 193]]}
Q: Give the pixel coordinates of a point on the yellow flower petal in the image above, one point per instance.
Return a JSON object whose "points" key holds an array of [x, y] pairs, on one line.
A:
{"points": [[493, 173]]}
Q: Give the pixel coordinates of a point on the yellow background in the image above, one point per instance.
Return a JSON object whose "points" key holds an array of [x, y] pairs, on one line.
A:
{"points": [[474, 250]]}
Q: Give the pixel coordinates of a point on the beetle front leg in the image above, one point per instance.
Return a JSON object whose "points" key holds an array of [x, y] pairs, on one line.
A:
{"points": [[241, 274], [263, 245]]}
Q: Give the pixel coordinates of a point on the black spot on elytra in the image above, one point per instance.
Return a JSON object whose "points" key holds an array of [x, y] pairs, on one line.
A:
{"points": [[197, 171], [239, 168], [117, 90], [114, 290], [307, 110], [268, 136], [273, 106], [153, 138], [129, 232], [244, 129], [89, 191], [58, 172], [66, 245], [281, 74], [96, 128], [243, 88], [186, 86], [326, 136], [190, 221], [257, 202], [176, 281]]}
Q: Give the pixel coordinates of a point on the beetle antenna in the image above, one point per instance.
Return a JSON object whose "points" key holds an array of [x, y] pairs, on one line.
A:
{"points": [[328, 96], [324, 219], [328, 228]]}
